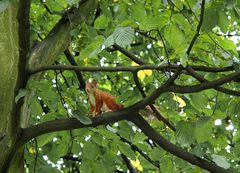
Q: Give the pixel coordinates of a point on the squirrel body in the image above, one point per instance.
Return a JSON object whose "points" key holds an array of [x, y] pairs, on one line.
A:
{"points": [[100, 101]]}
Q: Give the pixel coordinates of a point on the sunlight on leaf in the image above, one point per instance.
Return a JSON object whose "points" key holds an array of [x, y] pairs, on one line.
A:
{"points": [[136, 164], [180, 101], [142, 73], [148, 72], [32, 150]]}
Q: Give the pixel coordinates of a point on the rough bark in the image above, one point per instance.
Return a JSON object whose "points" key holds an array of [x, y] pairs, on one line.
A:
{"points": [[8, 74]]}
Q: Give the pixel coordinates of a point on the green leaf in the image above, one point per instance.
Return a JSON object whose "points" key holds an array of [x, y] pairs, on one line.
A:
{"points": [[74, 32], [21, 94], [176, 38], [91, 150], [157, 153], [101, 22], [93, 48], [126, 150], [223, 21], [199, 101], [111, 129], [166, 165], [99, 168], [123, 36], [151, 22], [36, 108], [203, 129], [139, 137], [138, 12], [81, 117], [62, 149], [185, 133], [221, 161], [184, 60], [210, 19], [44, 139]]}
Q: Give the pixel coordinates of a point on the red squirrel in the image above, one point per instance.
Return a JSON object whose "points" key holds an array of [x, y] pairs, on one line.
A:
{"points": [[100, 101]]}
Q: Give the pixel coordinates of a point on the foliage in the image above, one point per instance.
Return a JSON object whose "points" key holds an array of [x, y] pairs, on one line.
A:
{"points": [[157, 32]]}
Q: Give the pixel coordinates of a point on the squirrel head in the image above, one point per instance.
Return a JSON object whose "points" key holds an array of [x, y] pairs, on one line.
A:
{"points": [[91, 86]]}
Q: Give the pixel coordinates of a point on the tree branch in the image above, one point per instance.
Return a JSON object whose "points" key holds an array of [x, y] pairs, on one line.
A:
{"points": [[173, 149], [97, 69], [203, 86], [198, 28], [22, 77], [78, 73], [212, 69], [164, 45], [162, 67], [130, 55], [68, 124], [218, 88], [156, 113]]}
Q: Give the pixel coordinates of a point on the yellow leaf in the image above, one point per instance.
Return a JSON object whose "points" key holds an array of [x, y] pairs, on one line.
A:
{"points": [[141, 75], [180, 101], [136, 164], [160, 43], [148, 72], [32, 150], [134, 64]]}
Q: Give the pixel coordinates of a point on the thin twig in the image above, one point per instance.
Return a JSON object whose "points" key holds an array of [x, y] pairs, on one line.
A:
{"points": [[135, 148], [36, 157], [130, 55], [128, 164], [78, 73], [164, 45], [198, 28]]}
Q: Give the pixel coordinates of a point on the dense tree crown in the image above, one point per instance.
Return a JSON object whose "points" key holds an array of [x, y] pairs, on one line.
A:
{"points": [[173, 64]]}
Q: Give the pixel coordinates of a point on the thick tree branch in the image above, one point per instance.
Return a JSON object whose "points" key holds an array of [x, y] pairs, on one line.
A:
{"points": [[162, 67], [59, 37], [22, 77], [173, 149], [198, 28], [97, 69], [68, 124], [218, 88]]}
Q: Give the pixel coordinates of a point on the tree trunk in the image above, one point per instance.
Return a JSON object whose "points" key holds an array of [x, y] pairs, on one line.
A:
{"points": [[9, 57]]}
